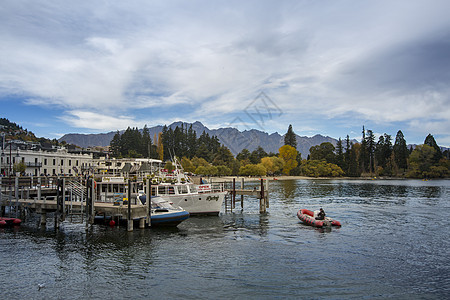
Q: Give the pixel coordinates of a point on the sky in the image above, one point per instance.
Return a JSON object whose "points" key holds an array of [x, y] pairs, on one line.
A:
{"points": [[327, 67]]}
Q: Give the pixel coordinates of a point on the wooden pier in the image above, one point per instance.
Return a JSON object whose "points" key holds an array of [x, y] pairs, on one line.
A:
{"points": [[72, 196], [261, 192]]}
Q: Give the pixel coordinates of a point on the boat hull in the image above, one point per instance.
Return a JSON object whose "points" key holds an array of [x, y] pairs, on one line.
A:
{"points": [[198, 204], [307, 217], [168, 218], [9, 221]]}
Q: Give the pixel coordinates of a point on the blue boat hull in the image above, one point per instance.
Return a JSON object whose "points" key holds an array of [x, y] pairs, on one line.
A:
{"points": [[168, 218]]}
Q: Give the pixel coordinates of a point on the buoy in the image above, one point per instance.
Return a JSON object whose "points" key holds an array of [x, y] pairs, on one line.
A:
{"points": [[112, 223], [17, 221]]}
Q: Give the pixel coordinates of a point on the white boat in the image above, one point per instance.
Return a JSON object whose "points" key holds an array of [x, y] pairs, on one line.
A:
{"points": [[178, 189], [164, 213]]}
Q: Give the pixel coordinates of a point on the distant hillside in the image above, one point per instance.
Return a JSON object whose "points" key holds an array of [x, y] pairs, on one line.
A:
{"points": [[234, 139]]}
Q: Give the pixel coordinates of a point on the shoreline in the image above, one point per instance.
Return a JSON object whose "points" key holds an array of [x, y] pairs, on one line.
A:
{"points": [[282, 178]]}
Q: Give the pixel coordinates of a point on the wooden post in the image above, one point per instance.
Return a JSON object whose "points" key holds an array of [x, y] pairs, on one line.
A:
{"points": [[262, 204], [63, 199], [148, 203], [39, 192], [242, 196], [142, 223], [92, 206], [130, 221], [233, 195], [267, 193]]}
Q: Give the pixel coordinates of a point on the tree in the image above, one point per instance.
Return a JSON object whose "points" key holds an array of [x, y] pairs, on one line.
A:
{"points": [[207, 170], [257, 155], [364, 156], [290, 138], [320, 168], [146, 142], [430, 141], [160, 147], [323, 151], [289, 156], [370, 150], [19, 167], [244, 155], [223, 157], [267, 162], [115, 145], [223, 171], [199, 162], [187, 165], [169, 166], [340, 154], [252, 170], [401, 152], [420, 161]]}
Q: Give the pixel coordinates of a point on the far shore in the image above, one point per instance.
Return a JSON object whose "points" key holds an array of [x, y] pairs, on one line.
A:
{"points": [[257, 178]]}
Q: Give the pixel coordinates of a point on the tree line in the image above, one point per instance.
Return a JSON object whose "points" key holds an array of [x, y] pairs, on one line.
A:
{"points": [[204, 155]]}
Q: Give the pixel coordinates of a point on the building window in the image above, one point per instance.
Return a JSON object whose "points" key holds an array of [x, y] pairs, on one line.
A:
{"points": [[45, 161], [70, 162], [76, 163], [62, 162], [54, 162]]}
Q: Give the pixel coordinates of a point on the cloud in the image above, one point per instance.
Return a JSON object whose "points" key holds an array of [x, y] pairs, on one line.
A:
{"points": [[319, 61], [97, 121]]}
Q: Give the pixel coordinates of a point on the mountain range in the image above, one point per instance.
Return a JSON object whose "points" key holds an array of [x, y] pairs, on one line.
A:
{"points": [[234, 139]]}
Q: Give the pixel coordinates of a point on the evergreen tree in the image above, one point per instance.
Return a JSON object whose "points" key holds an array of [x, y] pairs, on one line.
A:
{"points": [[363, 157], [340, 154], [353, 168], [257, 155], [243, 155], [191, 142], [348, 147], [116, 145], [324, 151], [430, 141], [290, 138], [146, 142], [401, 151], [370, 150]]}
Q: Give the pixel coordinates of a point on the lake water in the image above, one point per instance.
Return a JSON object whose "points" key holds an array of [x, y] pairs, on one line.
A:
{"points": [[393, 243]]}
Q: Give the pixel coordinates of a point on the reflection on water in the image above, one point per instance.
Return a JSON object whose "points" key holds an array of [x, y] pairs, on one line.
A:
{"points": [[288, 188], [392, 231]]}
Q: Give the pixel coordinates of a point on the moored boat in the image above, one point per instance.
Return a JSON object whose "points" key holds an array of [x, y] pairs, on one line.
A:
{"points": [[309, 217], [164, 213], [9, 221], [179, 190]]}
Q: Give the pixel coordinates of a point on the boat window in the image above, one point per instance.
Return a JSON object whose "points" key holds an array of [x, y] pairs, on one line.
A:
{"points": [[192, 188], [161, 190], [153, 190], [182, 189], [171, 190]]}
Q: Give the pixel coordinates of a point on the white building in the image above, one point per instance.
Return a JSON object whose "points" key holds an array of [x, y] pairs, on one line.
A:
{"points": [[53, 162]]}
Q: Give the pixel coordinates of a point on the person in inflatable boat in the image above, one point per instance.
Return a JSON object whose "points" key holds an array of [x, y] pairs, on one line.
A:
{"points": [[321, 215]]}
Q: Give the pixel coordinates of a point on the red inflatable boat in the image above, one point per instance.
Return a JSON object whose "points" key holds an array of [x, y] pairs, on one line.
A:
{"points": [[9, 221], [308, 217]]}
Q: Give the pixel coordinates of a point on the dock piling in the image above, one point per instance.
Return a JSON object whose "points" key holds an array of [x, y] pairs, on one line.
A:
{"points": [[130, 221]]}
